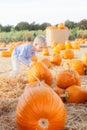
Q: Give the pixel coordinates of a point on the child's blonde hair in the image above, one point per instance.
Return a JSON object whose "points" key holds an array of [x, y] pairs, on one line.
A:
{"points": [[40, 39]]}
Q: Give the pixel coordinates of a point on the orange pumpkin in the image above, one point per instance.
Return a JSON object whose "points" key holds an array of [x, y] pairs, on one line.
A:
{"points": [[33, 58], [76, 45], [56, 50], [61, 46], [75, 64], [40, 71], [67, 54], [54, 44], [3, 45], [84, 58], [5, 53], [76, 94], [46, 62], [66, 78], [56, 59], [33, 111], [68, 45], [45, 52], [61, 26]]}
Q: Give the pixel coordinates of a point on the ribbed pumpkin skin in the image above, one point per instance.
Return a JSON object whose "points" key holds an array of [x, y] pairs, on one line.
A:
{"points": [[76, 94], [41, 72], [38, 103], [46, 62], [67, 78], [67, 54], [76, 65]]}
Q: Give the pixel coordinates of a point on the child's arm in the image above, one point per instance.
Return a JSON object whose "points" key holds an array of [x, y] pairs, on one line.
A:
{"points": [[25, 61], [23, 57]]}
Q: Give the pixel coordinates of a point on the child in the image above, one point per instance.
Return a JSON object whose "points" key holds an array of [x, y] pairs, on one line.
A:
{"points": [[24, 52]]}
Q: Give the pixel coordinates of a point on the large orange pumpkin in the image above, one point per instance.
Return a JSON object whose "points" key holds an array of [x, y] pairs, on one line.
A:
{"points": [[40, 108], [40, 71]]}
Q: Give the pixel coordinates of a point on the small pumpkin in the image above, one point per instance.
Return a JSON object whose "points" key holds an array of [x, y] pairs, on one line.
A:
{"points": [[33, 111], [76, 45], [61, 26], [56, 50], [61, 46], [75, 64], [56, 59], [46, 61], [76, 94], [45, 52], [40, 71], [34, 58], [5, 53], [68, 45], [54, 44], [67, 54], [67, 78], [84, 58]]}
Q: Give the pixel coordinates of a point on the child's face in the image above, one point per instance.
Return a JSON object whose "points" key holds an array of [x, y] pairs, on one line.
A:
{"points": [[39, 47]]}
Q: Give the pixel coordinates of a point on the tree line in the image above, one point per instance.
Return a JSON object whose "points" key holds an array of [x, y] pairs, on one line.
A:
{"points": [[33, 26]]}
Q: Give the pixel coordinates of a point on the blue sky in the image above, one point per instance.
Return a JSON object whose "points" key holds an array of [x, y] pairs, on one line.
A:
{"points": [[39, 11]]}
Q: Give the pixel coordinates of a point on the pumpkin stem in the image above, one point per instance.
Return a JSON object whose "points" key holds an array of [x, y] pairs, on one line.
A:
{"points": [[43, 123], [40, 83], [66, 95], [69, 67]]}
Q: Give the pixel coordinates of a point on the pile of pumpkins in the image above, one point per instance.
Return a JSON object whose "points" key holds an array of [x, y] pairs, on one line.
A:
{"points": [[11, 46], [41, 106]]}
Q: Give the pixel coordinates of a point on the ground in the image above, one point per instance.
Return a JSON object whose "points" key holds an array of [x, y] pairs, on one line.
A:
{"points": [[11, 89]]}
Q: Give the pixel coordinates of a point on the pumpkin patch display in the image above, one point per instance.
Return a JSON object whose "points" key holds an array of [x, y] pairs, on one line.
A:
{"points": [[40, 71], [58, 33], [40, 108]]}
